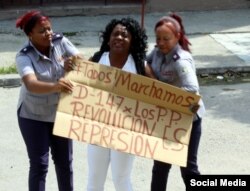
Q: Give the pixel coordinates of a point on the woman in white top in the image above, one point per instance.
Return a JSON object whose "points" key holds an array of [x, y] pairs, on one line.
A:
{"points": [[124, 46]]}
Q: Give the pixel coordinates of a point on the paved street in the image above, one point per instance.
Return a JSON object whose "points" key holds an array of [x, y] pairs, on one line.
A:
{"points": [[224, 147]]}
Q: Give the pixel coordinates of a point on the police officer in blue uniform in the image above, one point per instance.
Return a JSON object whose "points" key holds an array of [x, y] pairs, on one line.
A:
{"points": [[41, 64], [171, 62]]}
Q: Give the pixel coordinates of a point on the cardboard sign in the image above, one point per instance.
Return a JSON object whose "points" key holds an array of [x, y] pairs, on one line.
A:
{"points": [[126, 112]]}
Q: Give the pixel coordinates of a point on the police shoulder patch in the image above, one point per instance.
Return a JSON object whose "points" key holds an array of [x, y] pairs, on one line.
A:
{"points": [[57, 36], [176, 57], [26, 49]]}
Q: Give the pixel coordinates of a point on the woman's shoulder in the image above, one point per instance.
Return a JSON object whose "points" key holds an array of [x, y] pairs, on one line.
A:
{"points": [[26, 50], [155, 52], [57, 36], [182, 54], [182, 58]]}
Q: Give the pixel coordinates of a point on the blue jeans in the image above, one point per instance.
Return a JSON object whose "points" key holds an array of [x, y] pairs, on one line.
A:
{"points": [[160, 169], [38, 138]]}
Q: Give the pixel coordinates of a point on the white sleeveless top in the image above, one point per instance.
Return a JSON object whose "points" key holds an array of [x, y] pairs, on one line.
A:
{"points": [[129, 66]]}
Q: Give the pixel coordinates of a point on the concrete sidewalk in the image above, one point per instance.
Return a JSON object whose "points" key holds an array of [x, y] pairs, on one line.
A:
{"points": [[220, 39]]}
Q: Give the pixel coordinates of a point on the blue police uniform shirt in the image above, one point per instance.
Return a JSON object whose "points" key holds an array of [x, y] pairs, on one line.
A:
{"points": [[29, 60], [176, 68]]}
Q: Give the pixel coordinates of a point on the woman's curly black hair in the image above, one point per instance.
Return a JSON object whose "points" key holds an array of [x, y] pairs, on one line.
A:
{"points": [[138, 43]]}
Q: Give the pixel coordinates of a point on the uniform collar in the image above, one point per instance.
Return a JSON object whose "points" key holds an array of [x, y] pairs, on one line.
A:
{"points": [[173, 54], [38, 55], [173, 51]]}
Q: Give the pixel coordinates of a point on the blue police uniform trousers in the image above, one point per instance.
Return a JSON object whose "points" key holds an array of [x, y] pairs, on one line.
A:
{"points": [[160, 169], [38, 138]]}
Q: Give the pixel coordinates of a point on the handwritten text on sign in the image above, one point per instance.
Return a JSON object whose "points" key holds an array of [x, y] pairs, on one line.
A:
{"points": [[129, 125]]}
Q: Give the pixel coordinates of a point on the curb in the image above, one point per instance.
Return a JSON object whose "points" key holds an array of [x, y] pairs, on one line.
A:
{"points": [[62, 11], [222, 70], [10, 80], [14, 80]]}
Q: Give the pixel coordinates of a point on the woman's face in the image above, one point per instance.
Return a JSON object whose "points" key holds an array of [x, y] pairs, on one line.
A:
{"points": [[166, 39], [120, 40], [41, 34]]}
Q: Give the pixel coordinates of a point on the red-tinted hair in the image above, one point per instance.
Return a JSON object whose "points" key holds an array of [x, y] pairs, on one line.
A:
{"points": [[178, 27], [28, 20]]}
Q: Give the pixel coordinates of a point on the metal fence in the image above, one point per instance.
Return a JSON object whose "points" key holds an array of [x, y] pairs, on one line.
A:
{"points": [[25, 3]]}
